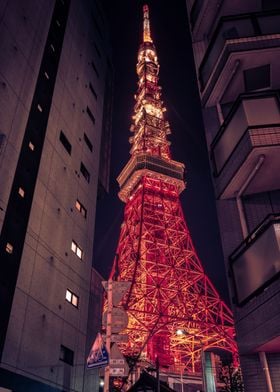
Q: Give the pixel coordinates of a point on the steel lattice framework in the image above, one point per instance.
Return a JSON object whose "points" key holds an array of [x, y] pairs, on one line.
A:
{"points": [[174, 310]]}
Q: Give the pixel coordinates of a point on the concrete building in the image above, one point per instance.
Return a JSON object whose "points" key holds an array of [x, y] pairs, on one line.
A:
{"points": [[55, 103], [236, 48]]}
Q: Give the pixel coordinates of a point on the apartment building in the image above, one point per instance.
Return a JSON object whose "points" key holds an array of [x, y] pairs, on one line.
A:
{"points": [[236, 47], [55, 105]]}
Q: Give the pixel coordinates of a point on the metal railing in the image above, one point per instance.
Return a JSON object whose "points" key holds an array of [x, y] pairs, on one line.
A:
{"points": [[236, 27]]}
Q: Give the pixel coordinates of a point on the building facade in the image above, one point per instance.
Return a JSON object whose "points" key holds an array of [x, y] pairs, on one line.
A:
{"points": [[55, 97], [236, 48]]}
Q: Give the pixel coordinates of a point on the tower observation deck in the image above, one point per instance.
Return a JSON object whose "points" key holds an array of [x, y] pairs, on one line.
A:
{"points": [[169, 289]]}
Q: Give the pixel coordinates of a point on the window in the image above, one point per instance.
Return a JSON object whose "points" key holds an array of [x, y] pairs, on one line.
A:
{"points": [[257, 78], [76, 249], [81, 208], [96, 25], [88, 142], [97, 50], [95, 69], [92, 90], [72, 298], [66, 355], [9, 248], [270, 4], [85, 172], [91, 116], [21, 192], [230, 33], [31, 146], [65, 142]]}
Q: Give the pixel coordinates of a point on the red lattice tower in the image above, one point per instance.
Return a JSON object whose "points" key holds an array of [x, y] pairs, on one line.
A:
{"points": [[169, 290]]}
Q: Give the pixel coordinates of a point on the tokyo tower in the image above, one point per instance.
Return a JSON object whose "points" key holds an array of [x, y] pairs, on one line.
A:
{"points": [[174, 311]]}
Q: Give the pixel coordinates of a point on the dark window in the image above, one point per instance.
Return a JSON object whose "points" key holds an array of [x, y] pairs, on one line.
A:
{"points": [[88, 142], [97, 50], [230, 33], [2, 141], [99, 12], [95, 69], [85, 172], [270, 4], [96, 25], [91, 116], [226, 107], [66, 355], [65, 142], [257, 78], [92, 90]]}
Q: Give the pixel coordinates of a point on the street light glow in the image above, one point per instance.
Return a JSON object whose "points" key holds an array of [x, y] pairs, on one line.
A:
{"points": [[180, 332]]}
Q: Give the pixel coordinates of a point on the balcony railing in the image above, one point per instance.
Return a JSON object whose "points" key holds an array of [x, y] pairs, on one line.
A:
{"points": [[255, 264], [234, 29], [240, 119]]}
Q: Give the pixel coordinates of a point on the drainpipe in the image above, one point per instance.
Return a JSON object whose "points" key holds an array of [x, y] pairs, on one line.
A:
{"points": [[245, 233], [265, 367], [239, 194], [225, 87], [220, 113]]}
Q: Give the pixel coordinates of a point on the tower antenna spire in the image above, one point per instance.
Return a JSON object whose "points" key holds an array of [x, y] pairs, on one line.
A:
{"points": [[146, 25]]}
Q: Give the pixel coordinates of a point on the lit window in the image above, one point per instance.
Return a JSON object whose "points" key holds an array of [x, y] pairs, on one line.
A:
{"points": [[39, 107], [68, 295], [21, 192], [77, 250], [79, 253], [72, 298], [75, 300], [81, 208], [31, 146], [73, 246], [9, 248]]}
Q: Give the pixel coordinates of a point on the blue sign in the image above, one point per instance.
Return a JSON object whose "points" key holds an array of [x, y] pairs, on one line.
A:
{"points": [[98, 356]]}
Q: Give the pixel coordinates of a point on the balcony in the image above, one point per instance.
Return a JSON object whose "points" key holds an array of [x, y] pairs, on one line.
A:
{"points": [[255, 264], [251, 129], [233, 36]]}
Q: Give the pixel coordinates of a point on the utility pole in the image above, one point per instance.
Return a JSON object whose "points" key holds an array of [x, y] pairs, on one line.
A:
{"points": [[157, 373]]}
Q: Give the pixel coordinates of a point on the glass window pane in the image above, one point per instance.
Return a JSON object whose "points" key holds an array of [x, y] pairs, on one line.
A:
{"points": [[68, 295]]}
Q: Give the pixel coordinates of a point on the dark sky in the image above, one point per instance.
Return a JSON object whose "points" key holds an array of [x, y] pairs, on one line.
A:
{"points": [[177, 77]]}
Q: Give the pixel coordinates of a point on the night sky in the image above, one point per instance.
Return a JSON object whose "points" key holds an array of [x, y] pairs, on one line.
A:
{"points": [[170, 34]]}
